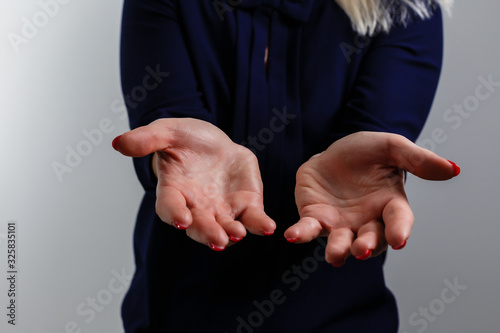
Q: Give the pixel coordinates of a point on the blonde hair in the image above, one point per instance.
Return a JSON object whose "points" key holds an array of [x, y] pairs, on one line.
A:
{"points": [[371, 16]]}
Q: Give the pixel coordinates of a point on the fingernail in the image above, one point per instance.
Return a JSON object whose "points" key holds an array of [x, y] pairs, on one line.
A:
{"points": [[292, 240], [268, 233], [216, 248], [399, 247], [338, 265], [456, 168], [235, 239], [179, 226], [115, 141], [365, 256]]}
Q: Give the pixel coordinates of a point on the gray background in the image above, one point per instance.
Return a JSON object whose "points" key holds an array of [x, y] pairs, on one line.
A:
{"points": [[75, 233]]}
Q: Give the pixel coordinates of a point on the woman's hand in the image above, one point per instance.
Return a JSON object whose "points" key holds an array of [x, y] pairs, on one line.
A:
{"points": [[207, 184], [354, 194]]}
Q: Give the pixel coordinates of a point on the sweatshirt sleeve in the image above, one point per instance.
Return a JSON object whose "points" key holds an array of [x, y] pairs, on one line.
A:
{"points": [[397, 80], [157, 76]]}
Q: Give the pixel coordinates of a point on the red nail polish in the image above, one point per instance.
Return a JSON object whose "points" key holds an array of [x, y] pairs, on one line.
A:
{"points": [[268, 233], [180, 227], [235, 239], [456, 168], [216, 248], [115, 141], [338, 265], [399, 247], [292, 240], [365, 256]]}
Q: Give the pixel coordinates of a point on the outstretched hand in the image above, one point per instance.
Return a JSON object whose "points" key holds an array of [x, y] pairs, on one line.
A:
{"points": [[353, 193], [207, 184]]}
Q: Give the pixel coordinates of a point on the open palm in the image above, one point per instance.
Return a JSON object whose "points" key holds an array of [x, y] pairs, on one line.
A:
{"points": [[354, 194], [207, 184]]}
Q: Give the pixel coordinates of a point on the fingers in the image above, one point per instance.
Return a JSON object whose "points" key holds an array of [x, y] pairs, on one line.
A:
{"points": [[316, 221], [203, 226], [304, 231], [338, 247], [206, 230], [256, 221], [171, 207], [342, 242], [234, 229], [421, 162], [220, 231], [398, 220], [200, 224], [370, 241]]}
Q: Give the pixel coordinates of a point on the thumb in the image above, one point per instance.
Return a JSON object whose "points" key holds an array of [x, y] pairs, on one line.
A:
{"points": [[160, 134], [421, 162]]}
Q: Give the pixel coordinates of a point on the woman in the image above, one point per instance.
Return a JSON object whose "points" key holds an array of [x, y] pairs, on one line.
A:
{"points": [[290, 105]]}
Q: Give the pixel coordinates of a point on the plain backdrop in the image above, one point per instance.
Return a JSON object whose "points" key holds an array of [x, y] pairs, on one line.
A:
{"points": [[75, 230]]}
